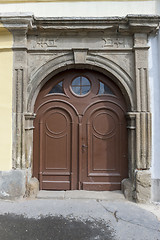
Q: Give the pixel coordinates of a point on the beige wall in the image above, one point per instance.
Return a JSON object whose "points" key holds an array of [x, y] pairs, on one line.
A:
{"points": [[6, 59]]}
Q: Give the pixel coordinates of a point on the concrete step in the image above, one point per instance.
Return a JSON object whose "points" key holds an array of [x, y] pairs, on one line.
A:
{"points": [[81, 194]]}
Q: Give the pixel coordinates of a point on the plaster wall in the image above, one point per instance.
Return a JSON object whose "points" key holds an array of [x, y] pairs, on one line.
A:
{"points": [[81, 8], [6, 59], [157, 7], [154, 75]]}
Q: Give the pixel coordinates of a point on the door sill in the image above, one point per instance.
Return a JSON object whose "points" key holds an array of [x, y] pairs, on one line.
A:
{"points": [[81, 194]]}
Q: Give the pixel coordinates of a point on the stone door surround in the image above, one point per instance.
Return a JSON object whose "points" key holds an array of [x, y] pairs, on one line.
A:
{"points": [[116, 47]]}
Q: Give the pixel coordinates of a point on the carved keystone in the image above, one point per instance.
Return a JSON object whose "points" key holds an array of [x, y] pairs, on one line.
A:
{"points": [[80, 55]]}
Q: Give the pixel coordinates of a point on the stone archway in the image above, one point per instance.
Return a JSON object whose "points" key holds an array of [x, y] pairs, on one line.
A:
{"points": [[135, 119], [69, 61], [126, 84]]}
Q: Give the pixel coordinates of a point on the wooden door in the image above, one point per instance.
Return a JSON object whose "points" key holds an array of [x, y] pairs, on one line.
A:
{"points": [[104, 162], [80, 138]]}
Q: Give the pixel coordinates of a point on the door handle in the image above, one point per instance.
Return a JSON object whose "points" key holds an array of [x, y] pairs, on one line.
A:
{"points": [[84, 147]]}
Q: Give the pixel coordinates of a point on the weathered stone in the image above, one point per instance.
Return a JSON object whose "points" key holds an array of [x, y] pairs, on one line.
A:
{"points": [[12, 184], [143, 140], [80, 55], [32, 187], [127, 188], [143, 186]]}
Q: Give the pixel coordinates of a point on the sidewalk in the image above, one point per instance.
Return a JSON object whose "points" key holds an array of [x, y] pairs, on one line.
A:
{"points": [[78, 215], [114, 195]]}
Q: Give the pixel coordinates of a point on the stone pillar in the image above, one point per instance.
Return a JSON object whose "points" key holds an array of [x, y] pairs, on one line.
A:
{"points": [[131, 126], [13, 183], [32, 184], [143, 140], [143, 120], [19, 87], [19, 28], [128, 185], [29, 118]]}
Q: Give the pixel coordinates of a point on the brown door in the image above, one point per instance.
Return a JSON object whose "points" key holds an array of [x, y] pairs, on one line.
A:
{"points": [[80, 139]]}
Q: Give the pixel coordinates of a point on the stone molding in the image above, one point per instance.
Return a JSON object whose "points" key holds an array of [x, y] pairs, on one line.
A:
{"points": [[114, 46], [131, 23]]}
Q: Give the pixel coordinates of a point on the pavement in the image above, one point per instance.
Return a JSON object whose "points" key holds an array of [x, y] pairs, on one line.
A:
{"points": [[78, 215]]}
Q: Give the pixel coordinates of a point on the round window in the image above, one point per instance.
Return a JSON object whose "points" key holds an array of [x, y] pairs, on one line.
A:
{"points": [[81, 85]]}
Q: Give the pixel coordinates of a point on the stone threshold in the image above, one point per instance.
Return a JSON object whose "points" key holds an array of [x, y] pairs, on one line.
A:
{"points": [[81, 194]]}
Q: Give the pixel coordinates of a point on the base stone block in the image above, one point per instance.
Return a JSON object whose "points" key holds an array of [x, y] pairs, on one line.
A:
{"points": [[143, 186], [32, 188], [12, 184], [127, 189]]}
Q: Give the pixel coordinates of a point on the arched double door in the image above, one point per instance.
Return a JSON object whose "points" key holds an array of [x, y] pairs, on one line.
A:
{"points": [[80, 136]]}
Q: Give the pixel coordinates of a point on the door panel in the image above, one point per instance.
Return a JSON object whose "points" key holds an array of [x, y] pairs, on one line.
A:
{"points": [[104, 134], [55, 146], [57, 130], [55, 149]]}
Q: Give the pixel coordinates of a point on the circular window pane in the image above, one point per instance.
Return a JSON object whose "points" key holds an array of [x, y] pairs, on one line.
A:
{"points": [[81, 85]]}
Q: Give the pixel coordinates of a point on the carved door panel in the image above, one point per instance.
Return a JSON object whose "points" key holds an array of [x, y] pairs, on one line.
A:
{"points": [[55, 151], [80, 139], [55, 146], [104, 162]]}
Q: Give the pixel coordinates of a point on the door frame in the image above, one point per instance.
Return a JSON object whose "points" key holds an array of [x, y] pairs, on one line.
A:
{"points": [[134, 125], [134, 122]]}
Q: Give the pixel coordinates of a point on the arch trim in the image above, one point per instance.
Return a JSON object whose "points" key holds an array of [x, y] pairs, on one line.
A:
{"points": [[64, 62]]}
